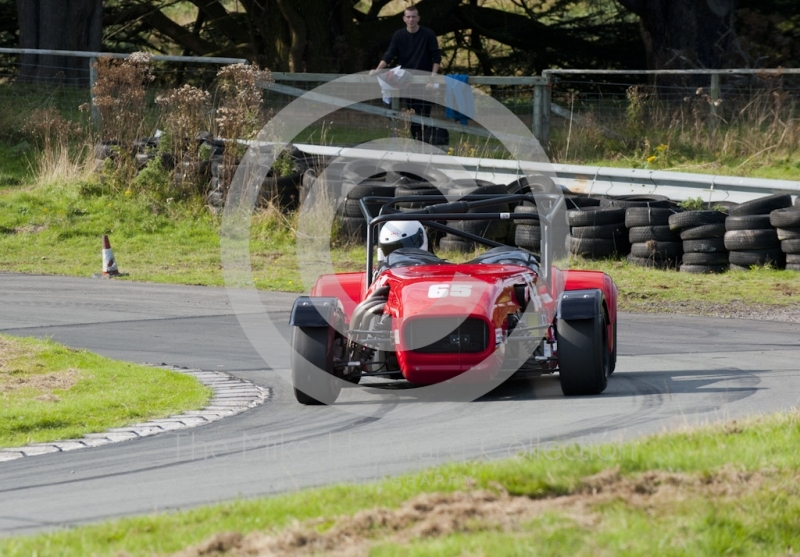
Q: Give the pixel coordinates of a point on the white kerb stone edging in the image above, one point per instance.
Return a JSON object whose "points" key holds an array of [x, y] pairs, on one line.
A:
{"points": [[231, 396]]}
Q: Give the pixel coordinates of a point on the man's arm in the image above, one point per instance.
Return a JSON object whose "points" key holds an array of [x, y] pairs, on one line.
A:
{"points": [[436, 54], [382, 64], [391, 53]]}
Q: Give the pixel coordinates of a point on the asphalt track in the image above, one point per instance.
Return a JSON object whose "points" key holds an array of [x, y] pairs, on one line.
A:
{"points": [[672, 371]]}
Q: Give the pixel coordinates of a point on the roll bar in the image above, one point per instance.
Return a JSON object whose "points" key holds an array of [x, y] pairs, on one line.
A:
{"points": [[548, 203]]}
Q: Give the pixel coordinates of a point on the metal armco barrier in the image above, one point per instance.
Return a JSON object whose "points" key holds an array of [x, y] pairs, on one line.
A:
{"points": [[589, 180]]}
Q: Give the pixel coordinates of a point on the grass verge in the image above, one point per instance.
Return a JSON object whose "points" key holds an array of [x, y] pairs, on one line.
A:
{"points": [[647, 290], [727, 488], [784, 166], [50, 392], [57, 230]]}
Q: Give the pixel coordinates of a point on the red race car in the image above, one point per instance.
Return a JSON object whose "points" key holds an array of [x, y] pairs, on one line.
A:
{"points": [[419, 318]]}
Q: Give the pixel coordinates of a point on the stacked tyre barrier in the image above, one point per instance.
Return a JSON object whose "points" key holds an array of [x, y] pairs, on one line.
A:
{"points": [[203, 166], [641, 245], [419, 180], [649, 230], [653, 242], [352, 219], [360, 179], [581, 202], [416, 188], [628, 201], [702, 235], [221, 175], [528, 232], [750, 236], [491, 229], [597, 232], [143, 151], [787, 226]]}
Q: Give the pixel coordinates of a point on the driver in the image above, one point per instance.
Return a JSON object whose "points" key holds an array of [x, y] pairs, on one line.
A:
{"points": [[401, 234], [404, 244]]}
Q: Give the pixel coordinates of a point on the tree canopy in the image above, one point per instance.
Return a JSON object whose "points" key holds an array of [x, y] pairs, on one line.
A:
{"points": [[503, 37], [515, 36]]}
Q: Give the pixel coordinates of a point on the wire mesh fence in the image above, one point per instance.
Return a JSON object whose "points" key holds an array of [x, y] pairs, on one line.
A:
{"points": [[656, 118], [377, 116], [68, 90], [662, 117]]}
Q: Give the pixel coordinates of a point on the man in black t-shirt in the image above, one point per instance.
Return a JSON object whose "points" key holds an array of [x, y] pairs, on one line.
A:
{"points": [[415, 48]]}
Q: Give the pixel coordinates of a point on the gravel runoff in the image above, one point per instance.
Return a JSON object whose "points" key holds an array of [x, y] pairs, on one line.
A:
{"points": [[732, 310], [231, 396]]}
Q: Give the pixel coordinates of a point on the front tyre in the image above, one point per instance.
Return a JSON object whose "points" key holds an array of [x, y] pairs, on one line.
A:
{"points": [[583, 356], [312, 365]]}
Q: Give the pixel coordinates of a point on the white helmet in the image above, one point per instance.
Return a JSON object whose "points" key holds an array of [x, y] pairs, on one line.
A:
{"points": [[401, 234]]}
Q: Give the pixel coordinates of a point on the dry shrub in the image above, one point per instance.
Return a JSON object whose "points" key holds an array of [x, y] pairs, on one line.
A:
{"points": [[46, 128], [120, 95], [185, 111], [640, 101], [240, 92], [239, 113]]}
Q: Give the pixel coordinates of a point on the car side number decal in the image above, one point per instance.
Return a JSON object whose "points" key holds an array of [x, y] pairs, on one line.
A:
{"points": [[455, 290]]}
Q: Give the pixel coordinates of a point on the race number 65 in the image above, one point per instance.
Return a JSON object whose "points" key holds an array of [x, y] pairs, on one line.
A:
{"points": [[443, 290]]}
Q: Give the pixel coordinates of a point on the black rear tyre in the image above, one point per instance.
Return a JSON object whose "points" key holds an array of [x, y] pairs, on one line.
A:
{"points": [[583, 356], [312, 366]]}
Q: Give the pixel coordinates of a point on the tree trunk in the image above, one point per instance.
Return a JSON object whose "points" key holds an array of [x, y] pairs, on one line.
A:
{"points": [[58, 25], [310, 23], [683, 34], [299, 31]]}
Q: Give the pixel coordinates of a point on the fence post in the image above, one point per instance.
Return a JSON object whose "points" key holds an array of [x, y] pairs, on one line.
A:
{"points": [[95, 112], [714, 101], [396, 123], [537, 111], [548, 91]]}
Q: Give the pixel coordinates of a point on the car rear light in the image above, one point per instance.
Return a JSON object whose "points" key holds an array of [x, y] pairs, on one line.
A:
{"points": [[446, 335]]}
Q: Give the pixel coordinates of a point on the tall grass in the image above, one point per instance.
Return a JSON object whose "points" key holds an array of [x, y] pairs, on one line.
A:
{"points": [[742, 132], [61, 147], [60, 165]]}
